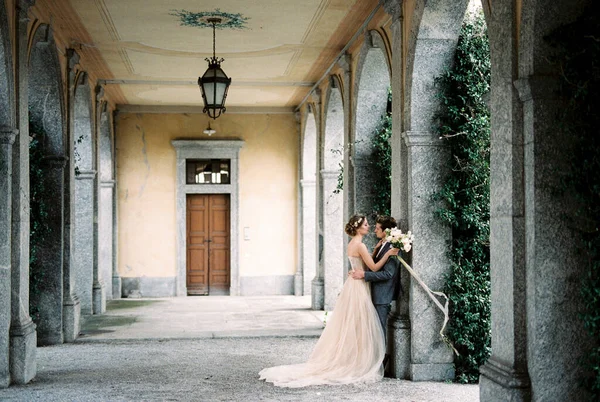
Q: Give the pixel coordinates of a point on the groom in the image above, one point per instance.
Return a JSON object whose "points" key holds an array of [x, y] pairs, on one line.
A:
{"points": [[385, 286]]}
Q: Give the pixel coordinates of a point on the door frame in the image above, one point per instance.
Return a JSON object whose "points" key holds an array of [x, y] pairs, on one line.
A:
{"points": [[207, 149]]}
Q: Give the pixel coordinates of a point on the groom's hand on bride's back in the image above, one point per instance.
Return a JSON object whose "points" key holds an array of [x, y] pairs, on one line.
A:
{"points": [[357, 274]]}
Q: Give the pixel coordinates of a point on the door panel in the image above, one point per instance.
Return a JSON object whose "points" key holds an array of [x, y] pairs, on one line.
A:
{"points": [[208, 242]]}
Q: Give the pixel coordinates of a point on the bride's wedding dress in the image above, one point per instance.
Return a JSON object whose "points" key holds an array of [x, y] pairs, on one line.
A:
{"points": [[351, 347]]}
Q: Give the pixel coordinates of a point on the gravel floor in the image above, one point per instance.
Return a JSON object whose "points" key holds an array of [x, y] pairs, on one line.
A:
{"points": [[200, 370]]}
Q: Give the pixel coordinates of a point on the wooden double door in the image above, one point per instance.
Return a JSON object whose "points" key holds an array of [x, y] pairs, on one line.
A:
{"points": [[208, 244]]}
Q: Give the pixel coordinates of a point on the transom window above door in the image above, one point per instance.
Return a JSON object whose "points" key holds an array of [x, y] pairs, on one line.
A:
{"points": [[207, 171]]}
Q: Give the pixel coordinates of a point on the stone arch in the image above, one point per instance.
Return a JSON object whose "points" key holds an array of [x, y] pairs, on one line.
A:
{"points": [[372, 84], [309, 200], [106, 215], [46, 119], [83, 220], [333, 200]]}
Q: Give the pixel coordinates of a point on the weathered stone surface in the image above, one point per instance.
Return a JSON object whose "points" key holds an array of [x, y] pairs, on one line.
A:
{"points": [[431, 358], [105, 237], [149, 287], [309, 224], [7, 138], [83, 252], [334, 261]]}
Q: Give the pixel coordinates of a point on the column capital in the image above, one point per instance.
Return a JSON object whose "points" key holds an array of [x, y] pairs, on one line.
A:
{"points": [[537, 87], [392, 7], [55, 162], [85, 175], [329, 174], [8, 135], [308, 183], [422, 138]]}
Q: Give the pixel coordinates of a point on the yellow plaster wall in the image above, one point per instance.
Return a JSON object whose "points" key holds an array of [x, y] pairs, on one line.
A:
{"points": [[146, 180]]}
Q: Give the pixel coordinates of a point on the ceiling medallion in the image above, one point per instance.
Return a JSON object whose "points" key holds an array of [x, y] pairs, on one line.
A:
{"points": [[203, 19]]}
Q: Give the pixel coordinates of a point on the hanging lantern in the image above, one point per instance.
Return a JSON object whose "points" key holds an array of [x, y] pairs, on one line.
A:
{"points": [[214, 83]]}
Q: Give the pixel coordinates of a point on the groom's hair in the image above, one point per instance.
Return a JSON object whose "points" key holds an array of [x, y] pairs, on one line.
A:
{"points": [[386, 222]]}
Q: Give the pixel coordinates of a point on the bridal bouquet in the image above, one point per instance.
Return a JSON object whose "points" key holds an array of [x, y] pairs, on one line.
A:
{"points": [[400, 240], [403, 241]]}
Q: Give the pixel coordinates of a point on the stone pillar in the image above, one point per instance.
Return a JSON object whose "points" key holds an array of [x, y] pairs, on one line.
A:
{"points": [[105, 230], [504, 376], [71, 303], [7, 138], [399, 340], [334, 263], [23, 336], [556, 336], [116, 278], [346, 66], [431, 358], [98, 290], [299, 275], [309, 253], [84, 239]]}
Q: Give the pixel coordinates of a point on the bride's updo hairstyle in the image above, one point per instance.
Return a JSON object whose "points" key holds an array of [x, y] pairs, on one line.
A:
{"points": [[353, 225]]}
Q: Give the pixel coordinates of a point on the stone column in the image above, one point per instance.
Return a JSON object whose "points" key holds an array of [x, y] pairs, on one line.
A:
{"points": [[98, 290], [504, 376], [334, 263], [23, 336], [299, 275], [309, 253], [71, 303], [427, 159], [346, 65], [7, 138], [84, 238], [556, 336], [398, 320], [105, 230]]}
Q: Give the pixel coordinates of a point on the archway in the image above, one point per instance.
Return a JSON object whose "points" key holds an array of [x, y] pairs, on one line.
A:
{"points": [[47, 183], [334, 265], [309, 203], [371, 102], [83, 221]]}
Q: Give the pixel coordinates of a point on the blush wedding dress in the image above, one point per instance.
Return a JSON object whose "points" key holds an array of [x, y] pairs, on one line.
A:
{"points": [[351, 347]]}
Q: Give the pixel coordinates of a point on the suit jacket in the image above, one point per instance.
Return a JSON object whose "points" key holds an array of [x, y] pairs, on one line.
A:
{"points": [[385, 283]]}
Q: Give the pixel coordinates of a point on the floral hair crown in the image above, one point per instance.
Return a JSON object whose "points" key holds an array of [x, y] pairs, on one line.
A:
{"points": [[355, 224]]}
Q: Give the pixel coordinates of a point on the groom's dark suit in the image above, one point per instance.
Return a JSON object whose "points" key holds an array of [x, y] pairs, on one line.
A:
{"points": [[385, 285]]}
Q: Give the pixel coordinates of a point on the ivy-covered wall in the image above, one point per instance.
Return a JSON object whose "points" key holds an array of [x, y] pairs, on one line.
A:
{"points": [[465, 126]]}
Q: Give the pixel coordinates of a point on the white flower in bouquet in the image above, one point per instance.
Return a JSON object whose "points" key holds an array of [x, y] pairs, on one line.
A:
{"points": [[402, 241]]}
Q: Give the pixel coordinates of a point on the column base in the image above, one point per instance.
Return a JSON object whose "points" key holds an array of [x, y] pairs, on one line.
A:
{"points": [[299, 285], [318, 294], [499, 382], [116, 287], [23, 353], [431, 371], [398, 347], [71, 318], [99, 298]]}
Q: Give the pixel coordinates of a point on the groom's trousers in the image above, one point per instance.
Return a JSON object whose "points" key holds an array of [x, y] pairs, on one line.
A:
{"points": [[382, 311]]}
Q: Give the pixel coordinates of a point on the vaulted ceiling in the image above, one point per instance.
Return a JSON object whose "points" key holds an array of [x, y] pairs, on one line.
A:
{"points": [[151, 52]]}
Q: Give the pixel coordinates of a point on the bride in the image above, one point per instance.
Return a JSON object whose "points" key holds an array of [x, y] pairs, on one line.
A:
{"points": [[351, 347]]}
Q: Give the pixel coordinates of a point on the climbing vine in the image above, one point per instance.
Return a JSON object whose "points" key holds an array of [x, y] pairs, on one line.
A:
{"points": [[38, 218], [381, 159], [465, 127], [577, 48]]}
